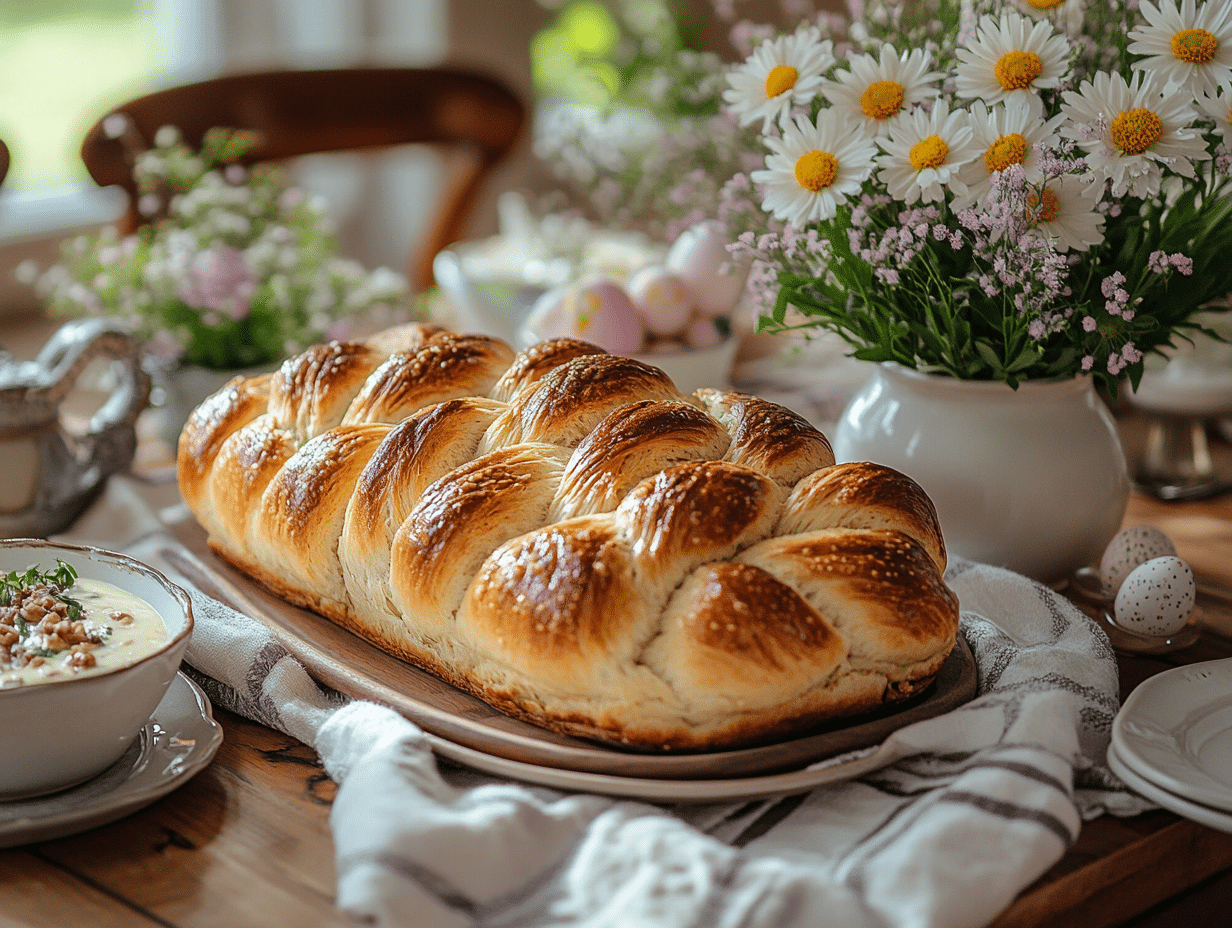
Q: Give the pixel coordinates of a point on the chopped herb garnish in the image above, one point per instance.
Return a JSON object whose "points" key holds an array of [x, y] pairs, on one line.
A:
{"points": [[57, 580], [11, 583]]}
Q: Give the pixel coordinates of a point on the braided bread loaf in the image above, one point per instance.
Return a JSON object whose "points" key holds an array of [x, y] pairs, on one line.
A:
{"points": [[564, 534]]}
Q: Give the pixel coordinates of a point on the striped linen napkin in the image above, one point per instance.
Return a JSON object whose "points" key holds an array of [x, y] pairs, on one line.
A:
{"points": [[982, 802]]}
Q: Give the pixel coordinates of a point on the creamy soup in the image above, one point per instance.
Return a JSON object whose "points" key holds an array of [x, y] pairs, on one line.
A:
{"points": [[49, 633]]}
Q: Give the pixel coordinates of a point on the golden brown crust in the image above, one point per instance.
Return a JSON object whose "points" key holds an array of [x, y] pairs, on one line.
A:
{"points": [[584, 547], [306, 501], [246, 463], [209, 425], [416, 452], [740, 634], [310, 393], [408, 337], [461, 519], [768, 437], [567, 402], [530, 365], [699, 511], [879, 588], [446, 367], [553, 605], [631, 443], [864, 495]]}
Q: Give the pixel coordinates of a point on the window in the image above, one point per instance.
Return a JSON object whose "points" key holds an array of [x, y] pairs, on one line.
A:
{"points": [[62, 63]]}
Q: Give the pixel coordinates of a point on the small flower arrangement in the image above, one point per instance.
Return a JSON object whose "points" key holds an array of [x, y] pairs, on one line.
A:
{"points": [[992, 189], [236, 268]]}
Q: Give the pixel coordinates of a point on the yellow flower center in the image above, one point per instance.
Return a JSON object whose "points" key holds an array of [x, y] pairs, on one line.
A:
{"points": [[1045, 4], [1016, 70], [780, 80], [1134, 131], [1196, 46], [816, 170], [882, 99], [1006, 150], [1044, 207], [929, 153]]}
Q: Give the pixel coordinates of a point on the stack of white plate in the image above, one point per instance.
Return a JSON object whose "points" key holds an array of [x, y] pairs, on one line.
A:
{"points": [[1172, 742]]}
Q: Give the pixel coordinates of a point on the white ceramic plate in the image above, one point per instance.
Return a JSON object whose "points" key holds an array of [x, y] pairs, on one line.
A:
{"points": [[1175, 730], [737, 789], [1204, 815], [178, 742]]}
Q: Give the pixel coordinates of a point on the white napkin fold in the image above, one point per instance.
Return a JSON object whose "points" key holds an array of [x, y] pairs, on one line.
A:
{"points": [[985, 799]]}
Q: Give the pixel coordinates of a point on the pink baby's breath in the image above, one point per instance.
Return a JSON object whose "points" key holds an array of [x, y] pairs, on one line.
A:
{"points": [[219, 279]]}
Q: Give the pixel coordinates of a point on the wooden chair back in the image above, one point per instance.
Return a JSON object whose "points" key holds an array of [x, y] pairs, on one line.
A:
{"points": [[294, 113]]}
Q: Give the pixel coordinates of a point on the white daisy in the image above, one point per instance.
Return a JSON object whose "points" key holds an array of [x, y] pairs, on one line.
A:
{"points": [[1218, 108], [873, 92], [1064, 14], [925, 153], [1185, 45], [1009, 58], [782, 73], [1062, 211], [1131, 131], [1006, 134], [815, 167]]}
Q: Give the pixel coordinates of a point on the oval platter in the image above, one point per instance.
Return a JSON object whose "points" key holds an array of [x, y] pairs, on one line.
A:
{"points": [[469, 731]]}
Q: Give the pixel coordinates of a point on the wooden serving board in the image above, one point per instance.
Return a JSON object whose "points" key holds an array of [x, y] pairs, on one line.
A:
{"points": [[353, 666]]}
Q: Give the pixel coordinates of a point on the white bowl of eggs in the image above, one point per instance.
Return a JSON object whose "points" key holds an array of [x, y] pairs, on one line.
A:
{"points": [[675, 315], [490, 284], [90, 641]]}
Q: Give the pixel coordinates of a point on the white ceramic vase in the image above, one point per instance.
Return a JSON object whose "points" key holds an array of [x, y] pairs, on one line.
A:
{"points": [[1034, 479]]}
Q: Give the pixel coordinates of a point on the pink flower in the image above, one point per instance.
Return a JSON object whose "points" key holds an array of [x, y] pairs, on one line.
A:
{"points": [[219, 279]]}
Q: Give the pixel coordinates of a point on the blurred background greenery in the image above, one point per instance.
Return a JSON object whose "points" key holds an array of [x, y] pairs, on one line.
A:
{"points": [[599, 52]]}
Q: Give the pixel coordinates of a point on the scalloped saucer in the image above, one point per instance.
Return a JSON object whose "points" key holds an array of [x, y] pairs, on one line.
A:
{"points": [[178, 742]]}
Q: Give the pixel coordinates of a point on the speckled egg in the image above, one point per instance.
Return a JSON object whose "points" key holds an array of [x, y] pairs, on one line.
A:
{"points": [[662, 298], [1132, 546], [1156, 598], [596, 310], [701, 258]]}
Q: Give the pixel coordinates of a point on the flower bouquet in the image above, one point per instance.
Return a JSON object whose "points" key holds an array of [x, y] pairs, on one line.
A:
{"points": [[236, 268], [1004, 190]]}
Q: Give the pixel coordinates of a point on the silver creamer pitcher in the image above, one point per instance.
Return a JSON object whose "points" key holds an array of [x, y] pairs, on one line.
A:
{"points": [[47, 474]]}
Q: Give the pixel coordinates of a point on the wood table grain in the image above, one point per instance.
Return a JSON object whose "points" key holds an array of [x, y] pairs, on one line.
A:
{"points": [[247, 841]]}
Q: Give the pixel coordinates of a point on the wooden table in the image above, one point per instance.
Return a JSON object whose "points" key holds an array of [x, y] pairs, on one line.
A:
{"points": [[247, 841]]}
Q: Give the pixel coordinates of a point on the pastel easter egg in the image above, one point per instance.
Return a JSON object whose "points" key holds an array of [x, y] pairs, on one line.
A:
{"points": [[1132, 546], [548, 317], [701, 258], [662, 298], [1156, 598], [596, 310], [703, 333], [603, 314]]}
